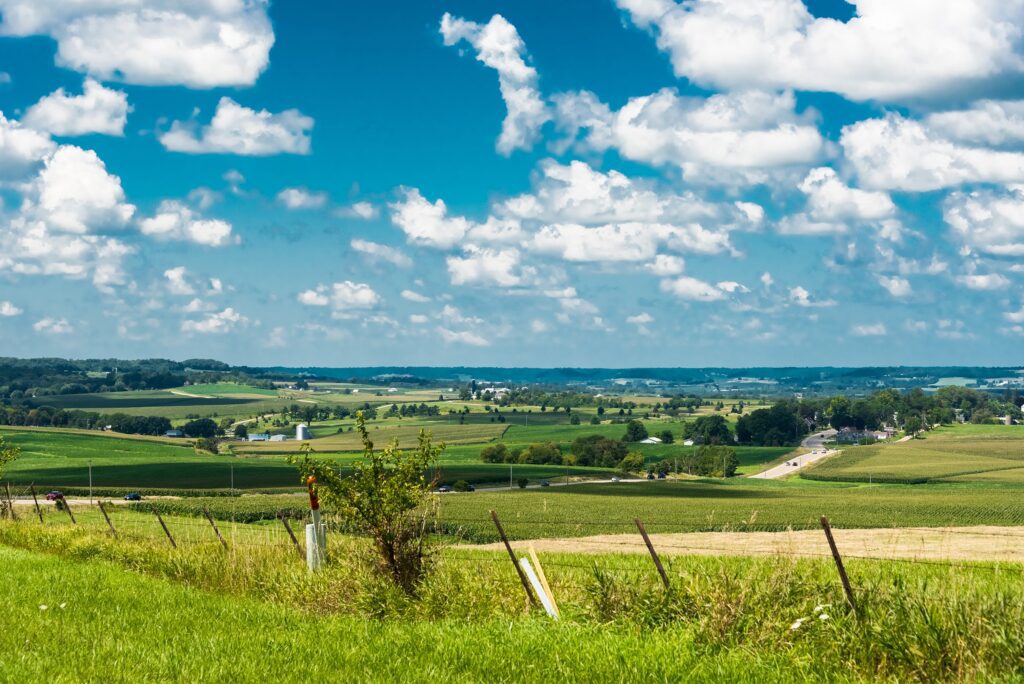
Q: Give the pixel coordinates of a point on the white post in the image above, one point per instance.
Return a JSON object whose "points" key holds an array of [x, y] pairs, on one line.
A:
{"points": [[538, 589], [316, 533], [90, 481]]}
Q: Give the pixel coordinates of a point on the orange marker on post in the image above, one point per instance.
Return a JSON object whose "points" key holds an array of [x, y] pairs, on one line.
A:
{"points": [[316, 533]]}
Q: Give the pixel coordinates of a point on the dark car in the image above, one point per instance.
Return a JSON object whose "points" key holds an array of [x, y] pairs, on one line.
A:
{"points": [[444, 489], [545, 483], [470, 488], [650, 476], [54, 495], [662, 476], [133, 496]]}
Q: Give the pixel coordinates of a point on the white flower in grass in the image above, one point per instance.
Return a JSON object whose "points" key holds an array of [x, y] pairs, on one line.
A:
{"points": [[823, 616], [43, 607], [820, 607], [796, 625], [63, 606]]}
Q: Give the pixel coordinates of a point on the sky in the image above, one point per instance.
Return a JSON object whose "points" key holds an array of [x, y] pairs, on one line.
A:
{"points": [[613, 183]]}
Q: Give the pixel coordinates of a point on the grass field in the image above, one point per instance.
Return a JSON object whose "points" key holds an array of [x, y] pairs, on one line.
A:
{"points": [[97, 609], [965, 453], [739, 505], [61, 458]]}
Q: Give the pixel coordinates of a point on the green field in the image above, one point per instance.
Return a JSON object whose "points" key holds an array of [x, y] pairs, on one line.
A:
{"points": [[737, 505], [61, 458], [965, 453], [89, 608]]}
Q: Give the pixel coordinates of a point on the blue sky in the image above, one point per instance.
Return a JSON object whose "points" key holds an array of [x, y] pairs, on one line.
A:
{"points": [[599, 183]]}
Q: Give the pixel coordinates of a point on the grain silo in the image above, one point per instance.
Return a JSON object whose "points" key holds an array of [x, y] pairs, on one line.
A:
{"points": [[302, 432]]}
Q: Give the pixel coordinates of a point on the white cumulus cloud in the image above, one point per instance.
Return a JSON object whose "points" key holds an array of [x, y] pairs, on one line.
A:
{"points": [[869, 330], [345, 296], [301, 198], [97, 110], [53, 326], [987, 221], [8, 309], [235, 129], [889, 50], [380, 252], [175, 220], [895, 153], [219, 323], [195, 43], [498, 46]]}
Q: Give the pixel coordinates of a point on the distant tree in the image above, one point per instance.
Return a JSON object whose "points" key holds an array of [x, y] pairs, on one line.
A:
{"points": [[544, 453], [713, 429], [241, 431], [574, 419], [715, 461], [461, 486], [840, 413], [207, 444], [201, 427], [522, 482], [594, 420], [598, 451], [632, 463], [600, 410], [913, 425], [495, 453], [635, 432], [666, 437]]}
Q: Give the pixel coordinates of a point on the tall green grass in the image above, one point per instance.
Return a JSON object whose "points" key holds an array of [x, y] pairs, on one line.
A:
{"points": [[258, 611]]}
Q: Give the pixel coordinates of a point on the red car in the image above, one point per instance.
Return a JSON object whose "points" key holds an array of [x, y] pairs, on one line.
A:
{"points": [[54, 495]]}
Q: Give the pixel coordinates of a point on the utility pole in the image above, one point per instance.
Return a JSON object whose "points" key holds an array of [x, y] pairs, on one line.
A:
{"points": [[510, 476], [90, 481]]}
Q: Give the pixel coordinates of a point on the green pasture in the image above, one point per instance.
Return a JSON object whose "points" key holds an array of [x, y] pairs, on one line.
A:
{"points": [[738, 505], [964, 453]]}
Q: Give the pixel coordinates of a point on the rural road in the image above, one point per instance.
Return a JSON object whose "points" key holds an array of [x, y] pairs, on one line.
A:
{"points": [[816, 443]]}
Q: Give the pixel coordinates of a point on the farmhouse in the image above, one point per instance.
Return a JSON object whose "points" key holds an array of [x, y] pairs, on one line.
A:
{"points": [[259, 437], [651, 440], [174, 433]]}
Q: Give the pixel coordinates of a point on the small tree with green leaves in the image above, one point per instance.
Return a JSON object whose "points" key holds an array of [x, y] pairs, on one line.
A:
{"points": [[7, 455], [386, 497]]}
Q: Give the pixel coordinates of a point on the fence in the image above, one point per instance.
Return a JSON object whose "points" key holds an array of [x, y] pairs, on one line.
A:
{"points": [[177, 531]]}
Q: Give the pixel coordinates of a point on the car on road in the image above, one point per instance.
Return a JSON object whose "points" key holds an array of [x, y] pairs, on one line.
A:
{"points": [[545, 483], [444, 489], [662, 476], [615, 479], [650, 476], [470, 488], [54, 495], [133, 496]]}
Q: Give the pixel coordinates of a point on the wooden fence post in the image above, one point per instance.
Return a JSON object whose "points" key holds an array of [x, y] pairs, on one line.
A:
{"points": [[288, 528], [35, 499], [209, 517], [654, 554], [839, 563], [107, 518], [164, 525], [512, 555], [67, 508], [10, 501]]}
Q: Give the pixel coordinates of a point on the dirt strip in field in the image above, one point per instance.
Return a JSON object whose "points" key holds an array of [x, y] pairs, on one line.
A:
{"points": [[980, 543]]}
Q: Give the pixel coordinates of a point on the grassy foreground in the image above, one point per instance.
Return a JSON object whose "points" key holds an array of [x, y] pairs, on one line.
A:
{"points": [[116, 626], [134, 611]]}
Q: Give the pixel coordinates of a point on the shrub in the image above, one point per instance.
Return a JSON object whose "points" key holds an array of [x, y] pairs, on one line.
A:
{"points": [[495, 453], [666, 437], [522, 482], [632, 463], [388, 498]]}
